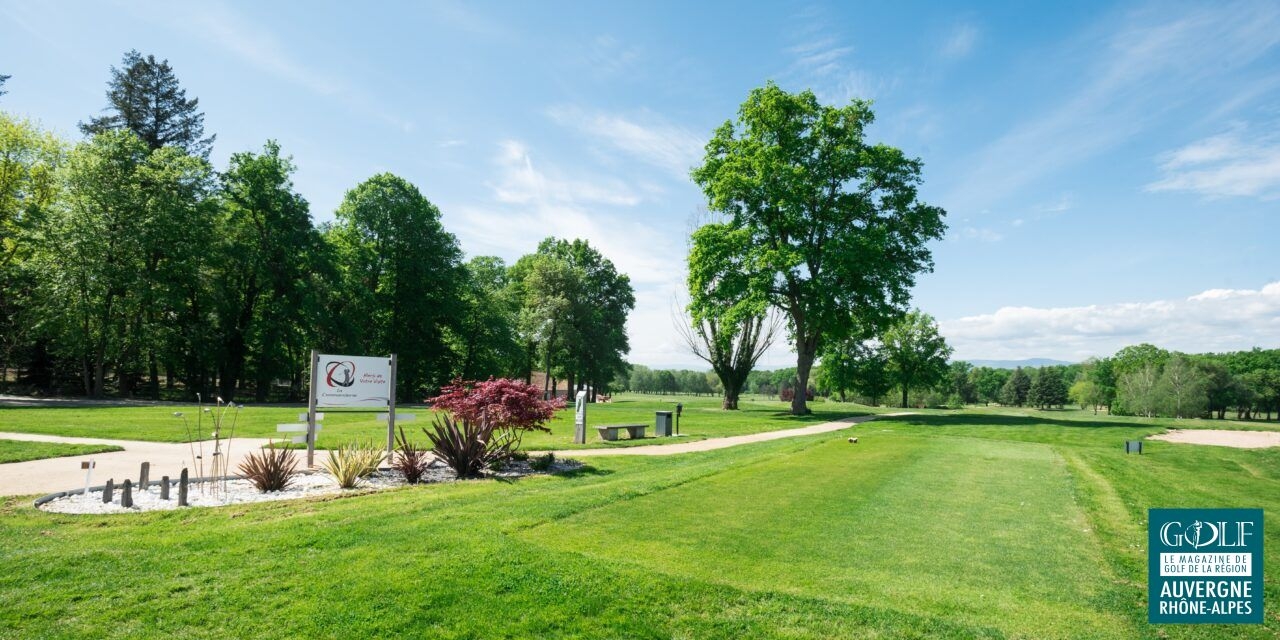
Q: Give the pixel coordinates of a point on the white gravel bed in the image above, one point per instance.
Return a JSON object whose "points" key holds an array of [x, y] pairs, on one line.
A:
{"points": [[240, 491]]}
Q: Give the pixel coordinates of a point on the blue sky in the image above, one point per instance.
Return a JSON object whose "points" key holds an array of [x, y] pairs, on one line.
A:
{"points": [[1111, 171]]}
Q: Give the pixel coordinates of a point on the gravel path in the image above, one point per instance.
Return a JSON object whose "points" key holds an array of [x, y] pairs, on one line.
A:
{"points": [[1222, 438]]}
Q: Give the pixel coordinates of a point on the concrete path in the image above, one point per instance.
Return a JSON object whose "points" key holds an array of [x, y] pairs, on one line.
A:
{"points": [[59, 474], [712, 444], [167, 458]]}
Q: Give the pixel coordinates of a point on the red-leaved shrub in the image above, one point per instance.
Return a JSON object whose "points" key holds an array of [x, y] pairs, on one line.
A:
{"points": [[502, 402]]}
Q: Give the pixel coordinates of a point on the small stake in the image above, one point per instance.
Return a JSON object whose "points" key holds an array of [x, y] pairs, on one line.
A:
{"points": [[108, 491], [182, 489], [164, 488], [126, 494], [144, 476]]}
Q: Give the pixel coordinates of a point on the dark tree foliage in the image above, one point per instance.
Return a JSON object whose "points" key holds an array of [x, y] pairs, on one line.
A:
{"points": [[3, 78], [144, 97]]}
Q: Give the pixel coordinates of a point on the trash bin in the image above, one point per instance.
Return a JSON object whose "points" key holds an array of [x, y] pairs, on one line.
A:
{"points": [[663, 427]]}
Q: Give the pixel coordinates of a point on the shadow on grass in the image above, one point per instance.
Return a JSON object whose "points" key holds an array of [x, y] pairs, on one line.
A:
{"points": [[1015, 421], [585, 470]]}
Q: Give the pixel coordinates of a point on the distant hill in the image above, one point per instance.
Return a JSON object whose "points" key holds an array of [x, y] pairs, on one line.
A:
{"points": [[1014, 364]]}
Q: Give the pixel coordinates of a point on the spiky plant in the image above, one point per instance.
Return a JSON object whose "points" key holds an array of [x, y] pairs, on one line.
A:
{"points": [[410, 459], [469, 447], [349, 463], [270, 469]]}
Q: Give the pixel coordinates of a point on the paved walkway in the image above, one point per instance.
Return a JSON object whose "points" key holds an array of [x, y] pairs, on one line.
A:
{"points": [[720, 443], [59, 474], [167, 458]]}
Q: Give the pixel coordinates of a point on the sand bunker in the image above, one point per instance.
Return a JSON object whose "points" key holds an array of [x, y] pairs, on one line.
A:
{"points": [[1222, 438]]}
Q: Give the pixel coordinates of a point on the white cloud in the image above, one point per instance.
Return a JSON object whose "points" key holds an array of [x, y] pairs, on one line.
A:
{"points": [[1228, 164], [981, 234], [653, 141], [520, 183], [1215, 320], [1150, 63], [531, 202], [961, 41]]}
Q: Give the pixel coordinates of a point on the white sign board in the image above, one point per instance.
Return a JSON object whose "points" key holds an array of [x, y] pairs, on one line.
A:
{"points": [[353, 381]]}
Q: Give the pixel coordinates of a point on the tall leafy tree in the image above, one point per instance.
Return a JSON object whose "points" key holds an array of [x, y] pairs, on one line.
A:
{"points": [[729, 324], [1182, 391], [268, 255], [857, 366], [917, 353], [401, 274], [113, 259], [144, 96], [29, 187], [835, 232], [488, 341]]}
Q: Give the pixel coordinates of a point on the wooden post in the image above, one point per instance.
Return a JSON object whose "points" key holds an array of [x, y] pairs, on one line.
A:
{"points": [[164, 488], [108, 491], [182, 489], [391, 412], [126, 494], [311, 409], [144, 476]]}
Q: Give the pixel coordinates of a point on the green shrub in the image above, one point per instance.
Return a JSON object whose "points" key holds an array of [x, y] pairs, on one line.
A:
{"points": [[271, 469], [349, 463]]}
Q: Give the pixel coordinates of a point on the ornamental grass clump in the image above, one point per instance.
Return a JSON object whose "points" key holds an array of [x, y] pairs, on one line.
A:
{"points": [[350, 463], [410, 459], [270, 469]]}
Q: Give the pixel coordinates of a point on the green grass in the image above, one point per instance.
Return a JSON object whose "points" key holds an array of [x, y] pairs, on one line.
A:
{"points": [[702, 419], [947, 525], [22, 451]]}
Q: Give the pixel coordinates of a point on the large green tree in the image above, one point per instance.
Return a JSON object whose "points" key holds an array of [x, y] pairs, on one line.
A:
{"points": [[115, 258], [401, 274], [144, 96], [857, 366], [835, 232], [488, 342], [268, 250], [29, 187], [917, 353], [729, 324]]}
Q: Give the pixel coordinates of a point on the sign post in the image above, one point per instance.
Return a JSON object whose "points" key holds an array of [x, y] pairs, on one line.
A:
{"points": [[580, 418], [351, 381], [391, 412], [311, 410]]}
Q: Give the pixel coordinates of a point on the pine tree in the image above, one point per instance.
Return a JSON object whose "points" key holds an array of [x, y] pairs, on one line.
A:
{"points": [[1017, 389], [145, 98], [3, 78]]}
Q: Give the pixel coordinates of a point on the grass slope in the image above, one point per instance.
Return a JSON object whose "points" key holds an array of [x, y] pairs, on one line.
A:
{"points": [[933, 526], [22, 451]]}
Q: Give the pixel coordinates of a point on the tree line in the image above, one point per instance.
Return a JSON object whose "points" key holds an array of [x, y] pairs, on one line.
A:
{"points": [[130, 266]]}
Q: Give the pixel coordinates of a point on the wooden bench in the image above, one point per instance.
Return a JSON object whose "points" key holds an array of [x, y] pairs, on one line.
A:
{"points": [[610, 431]]}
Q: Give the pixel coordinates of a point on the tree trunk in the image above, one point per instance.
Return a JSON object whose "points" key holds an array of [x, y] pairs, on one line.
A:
{"points": [[806, 352], [905, 387]]}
